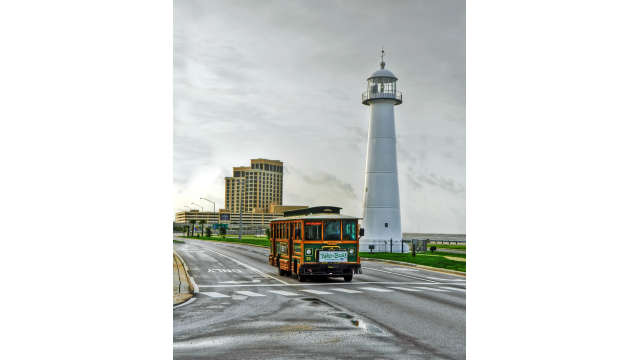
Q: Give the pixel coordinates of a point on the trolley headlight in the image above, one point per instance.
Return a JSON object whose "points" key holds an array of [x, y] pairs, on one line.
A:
{"points": [[308, 251], [351, 251]]}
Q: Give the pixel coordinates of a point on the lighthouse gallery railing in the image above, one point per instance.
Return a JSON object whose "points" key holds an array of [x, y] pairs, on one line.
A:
{"points": [[369, 95]]}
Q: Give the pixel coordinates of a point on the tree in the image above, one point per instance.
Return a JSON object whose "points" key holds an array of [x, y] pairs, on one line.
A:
{"points": [[223, 231], [208, 232], [193, 225], [202, 222]]}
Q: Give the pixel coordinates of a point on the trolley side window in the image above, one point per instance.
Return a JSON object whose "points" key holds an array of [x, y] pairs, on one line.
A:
{"points": [[313, 231], [298, 231]]}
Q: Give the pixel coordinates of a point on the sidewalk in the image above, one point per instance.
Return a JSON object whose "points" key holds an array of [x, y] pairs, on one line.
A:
{"points": [[181, 289]]}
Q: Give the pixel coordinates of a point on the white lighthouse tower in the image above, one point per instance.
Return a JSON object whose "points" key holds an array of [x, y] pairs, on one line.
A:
{"points": [[381, 200]]}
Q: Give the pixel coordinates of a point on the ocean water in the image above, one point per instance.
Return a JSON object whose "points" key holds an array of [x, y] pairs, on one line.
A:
{"points": [[423, 236]]}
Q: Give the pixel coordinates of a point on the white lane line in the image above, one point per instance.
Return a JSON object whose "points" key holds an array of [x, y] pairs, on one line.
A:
{"points": [[249, 293], [402, 288], [285, 293], [452, 288], [318, 292], [214, 294], [429, 278], [348, 291], [376, 289], [399, 274], [247, 266], [428, 288]]}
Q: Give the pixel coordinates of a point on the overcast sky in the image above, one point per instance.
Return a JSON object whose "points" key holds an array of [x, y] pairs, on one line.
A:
{"points": [[283, 80]]}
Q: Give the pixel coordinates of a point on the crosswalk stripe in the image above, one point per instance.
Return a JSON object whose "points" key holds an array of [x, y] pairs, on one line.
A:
{"points": [[452, 288], [282, 292], [249, 293], [215, 294], [376, 289], [318, 292], [348, 291], [432, 289], [402, 288]]}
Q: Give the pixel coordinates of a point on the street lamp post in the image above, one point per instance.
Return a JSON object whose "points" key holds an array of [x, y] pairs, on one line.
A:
{"points": [[214, 209], [241, 205], [213, 202]]}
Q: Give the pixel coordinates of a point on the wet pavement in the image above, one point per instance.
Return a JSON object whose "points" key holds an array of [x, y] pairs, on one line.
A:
{"points": [[246, 311]]}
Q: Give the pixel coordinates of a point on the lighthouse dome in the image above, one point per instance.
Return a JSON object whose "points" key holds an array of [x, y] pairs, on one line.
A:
{"points": [[382, 73]]}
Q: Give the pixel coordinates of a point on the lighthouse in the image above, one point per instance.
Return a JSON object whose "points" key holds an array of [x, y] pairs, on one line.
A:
{"points": [[381, 209]]}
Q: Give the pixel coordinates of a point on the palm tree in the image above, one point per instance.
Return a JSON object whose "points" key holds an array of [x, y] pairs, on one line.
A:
{"points": [[202, 222], [193, 224]]}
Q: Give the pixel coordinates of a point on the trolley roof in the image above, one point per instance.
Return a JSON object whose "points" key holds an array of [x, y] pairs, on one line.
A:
{"points": [[315, 213], [317, 217]]}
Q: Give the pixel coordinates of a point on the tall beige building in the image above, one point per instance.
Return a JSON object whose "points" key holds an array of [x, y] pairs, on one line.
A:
{"points": [[254, 188]]}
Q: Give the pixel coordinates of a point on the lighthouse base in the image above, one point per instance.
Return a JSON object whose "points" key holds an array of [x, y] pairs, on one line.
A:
{"points": [[383, 245]]}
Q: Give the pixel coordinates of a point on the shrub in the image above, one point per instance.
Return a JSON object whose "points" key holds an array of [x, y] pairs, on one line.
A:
{"points": [[208, 232], [432, 248]]}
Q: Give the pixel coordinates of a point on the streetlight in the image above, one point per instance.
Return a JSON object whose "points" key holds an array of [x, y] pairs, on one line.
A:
{"points": [[213, 202]]}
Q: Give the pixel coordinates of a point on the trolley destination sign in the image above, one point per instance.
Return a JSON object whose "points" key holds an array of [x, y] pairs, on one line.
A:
{"points": [[332, 256]]}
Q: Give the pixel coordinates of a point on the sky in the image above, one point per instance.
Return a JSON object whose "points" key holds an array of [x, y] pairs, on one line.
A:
{"points": [[283, 80]]}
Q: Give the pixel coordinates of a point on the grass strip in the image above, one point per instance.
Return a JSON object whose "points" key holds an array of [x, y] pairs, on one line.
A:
{"points": [[435, 260], [447, 246], [246, 239]]}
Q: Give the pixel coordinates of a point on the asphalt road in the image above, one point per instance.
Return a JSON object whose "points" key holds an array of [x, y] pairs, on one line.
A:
{"points": [[245, 310]]}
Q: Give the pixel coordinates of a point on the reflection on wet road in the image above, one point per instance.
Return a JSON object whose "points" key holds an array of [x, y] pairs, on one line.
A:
{"points": [[244, 310]]}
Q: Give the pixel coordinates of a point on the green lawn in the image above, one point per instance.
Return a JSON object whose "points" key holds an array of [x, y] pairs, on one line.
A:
{"points": [[246, 239], [436, 260]]}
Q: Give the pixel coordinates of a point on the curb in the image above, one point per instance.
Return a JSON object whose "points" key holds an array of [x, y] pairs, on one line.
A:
{"points": [[440, 270], [192, 284]]}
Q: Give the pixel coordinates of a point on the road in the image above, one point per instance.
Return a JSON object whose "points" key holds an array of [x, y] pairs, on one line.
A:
{"points": [[245, 310]]}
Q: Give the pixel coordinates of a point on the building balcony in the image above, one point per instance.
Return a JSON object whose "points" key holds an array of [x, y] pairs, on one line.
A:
{"points": [[368, 96]]}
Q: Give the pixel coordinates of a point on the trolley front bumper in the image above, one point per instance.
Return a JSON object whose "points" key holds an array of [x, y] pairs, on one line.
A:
{"points": [[335, 269]]}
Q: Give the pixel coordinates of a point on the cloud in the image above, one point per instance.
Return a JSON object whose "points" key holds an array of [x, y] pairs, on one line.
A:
{"points": [[283, 80], [446, 184]]}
